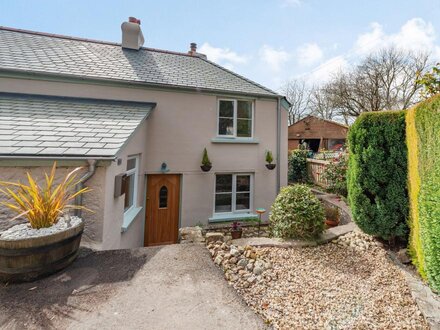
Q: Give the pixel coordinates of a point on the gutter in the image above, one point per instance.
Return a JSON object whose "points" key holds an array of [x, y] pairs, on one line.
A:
{"points": [[33, 157], [57, 77], [278, 144], [80, 185]]}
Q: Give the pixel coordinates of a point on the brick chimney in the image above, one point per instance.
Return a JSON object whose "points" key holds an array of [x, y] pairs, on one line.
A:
{"points": [[193, 51], [132, 37]]}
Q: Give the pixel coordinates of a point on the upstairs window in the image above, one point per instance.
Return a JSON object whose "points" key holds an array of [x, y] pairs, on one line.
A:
{"points": [[235, 118]]}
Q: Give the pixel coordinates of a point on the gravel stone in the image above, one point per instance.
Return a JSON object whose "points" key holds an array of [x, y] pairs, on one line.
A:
{"points": [[25, 230], [348, 284]]}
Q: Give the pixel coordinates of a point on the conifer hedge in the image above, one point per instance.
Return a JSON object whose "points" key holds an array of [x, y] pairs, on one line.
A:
{"points": [[423, 129], [377, 174]]}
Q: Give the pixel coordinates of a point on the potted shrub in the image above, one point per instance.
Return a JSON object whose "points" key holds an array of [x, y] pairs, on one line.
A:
{"points": [[206, 163], [269, 160], [332, 216], [50, 239], [236, 230]]}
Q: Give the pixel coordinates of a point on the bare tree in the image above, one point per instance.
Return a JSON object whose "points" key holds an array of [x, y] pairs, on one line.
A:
{"points": [[298, 95], [386, 80], [320, 105]]}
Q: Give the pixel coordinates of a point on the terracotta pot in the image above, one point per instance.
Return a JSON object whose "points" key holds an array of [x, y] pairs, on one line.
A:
{"points": [[236, 233], [27, 259], [271, 166], [206, 168], [331, 222]]}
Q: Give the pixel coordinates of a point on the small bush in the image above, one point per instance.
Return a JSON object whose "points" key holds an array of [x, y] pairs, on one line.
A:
{"points": [[296, 213], [298, 166], [336, 175], [332, 213], [377, 174]]}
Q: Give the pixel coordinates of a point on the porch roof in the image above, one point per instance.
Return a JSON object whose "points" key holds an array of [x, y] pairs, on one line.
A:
{"points": [[46, 126]]}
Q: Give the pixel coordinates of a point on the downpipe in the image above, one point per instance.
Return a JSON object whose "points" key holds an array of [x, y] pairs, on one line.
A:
{"points": [[278, 144], [80, 185]]}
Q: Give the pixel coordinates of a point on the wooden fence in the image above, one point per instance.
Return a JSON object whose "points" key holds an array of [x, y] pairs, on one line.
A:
{"points": [[315, 169]]}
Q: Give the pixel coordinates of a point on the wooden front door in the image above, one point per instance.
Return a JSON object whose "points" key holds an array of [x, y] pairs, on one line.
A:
{"points": [[162, 214]]}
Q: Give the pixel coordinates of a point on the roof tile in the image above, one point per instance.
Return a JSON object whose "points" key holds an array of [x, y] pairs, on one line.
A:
{"points": [[35, 52], [57, 111]]}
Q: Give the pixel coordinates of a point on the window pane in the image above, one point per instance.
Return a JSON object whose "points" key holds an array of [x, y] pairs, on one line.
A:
{"points": [[223, 183], [243, 201], [226, 109], [129, 191], [225, 126], [244, 109], [223, 202], [131, 163], [243, 183], [163, 197], [244, 127]]}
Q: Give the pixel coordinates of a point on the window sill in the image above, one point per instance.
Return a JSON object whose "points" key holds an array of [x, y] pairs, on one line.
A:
{"points": [[232, 217], [129, 218], [234, 140]]}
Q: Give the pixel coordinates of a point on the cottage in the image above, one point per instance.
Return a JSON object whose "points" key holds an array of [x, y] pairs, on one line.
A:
{"points": [[317, 133], [138, 119]]}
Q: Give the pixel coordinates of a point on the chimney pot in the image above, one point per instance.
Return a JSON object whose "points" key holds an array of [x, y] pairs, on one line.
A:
{"points": [[132, 19], [193, 47]]}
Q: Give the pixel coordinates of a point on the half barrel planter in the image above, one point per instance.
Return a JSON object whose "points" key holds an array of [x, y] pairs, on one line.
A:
{"points": [[28, 259]]}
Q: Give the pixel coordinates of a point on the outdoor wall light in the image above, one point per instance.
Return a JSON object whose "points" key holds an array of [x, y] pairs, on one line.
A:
{"points": [[164, 168]]}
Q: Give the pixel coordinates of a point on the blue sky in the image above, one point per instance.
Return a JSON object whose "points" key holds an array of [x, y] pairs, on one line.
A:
{"points": [[269, 41]]}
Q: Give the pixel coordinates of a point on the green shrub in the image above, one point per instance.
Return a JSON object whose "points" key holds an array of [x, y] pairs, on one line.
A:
{"points": [[336, 175], [205, 158], [298, 166], [377, 174], [296, 213], [424, 182]]}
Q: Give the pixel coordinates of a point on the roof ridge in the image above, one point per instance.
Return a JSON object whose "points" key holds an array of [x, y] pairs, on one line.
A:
{"points": [[323, 119], [63, 36]]}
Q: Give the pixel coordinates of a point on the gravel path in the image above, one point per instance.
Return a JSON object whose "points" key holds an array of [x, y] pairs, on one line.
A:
{"points": [[348, 284]]}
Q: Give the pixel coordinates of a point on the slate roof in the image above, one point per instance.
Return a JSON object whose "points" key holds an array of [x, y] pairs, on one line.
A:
{"points": [[35, 52], [35, 126]]}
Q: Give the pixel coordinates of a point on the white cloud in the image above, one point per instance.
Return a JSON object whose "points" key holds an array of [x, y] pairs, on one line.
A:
{"points": [[274, 58], [324, 72], [291, 3], [309, 54], [223, 56], [415, 35]]}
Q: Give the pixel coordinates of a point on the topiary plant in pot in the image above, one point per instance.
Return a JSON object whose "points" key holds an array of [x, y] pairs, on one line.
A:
{"points": [[296, 213], [269, 160], [206, 162], [50, 230]]}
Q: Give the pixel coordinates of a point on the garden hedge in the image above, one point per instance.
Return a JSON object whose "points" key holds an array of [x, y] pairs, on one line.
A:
{"points": [[423, 139], [377, 174]]}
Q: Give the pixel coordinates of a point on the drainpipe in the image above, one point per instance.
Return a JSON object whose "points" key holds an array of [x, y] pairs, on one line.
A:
{"points": [[278, 144], [80, 185]]}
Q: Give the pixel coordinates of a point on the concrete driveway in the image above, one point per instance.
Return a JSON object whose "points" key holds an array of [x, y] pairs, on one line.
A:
{"points": [[169, 287]]}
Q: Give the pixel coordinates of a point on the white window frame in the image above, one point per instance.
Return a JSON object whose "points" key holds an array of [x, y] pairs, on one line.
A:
{"points": [[134, 171], [234, 120], [234, 193]]}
